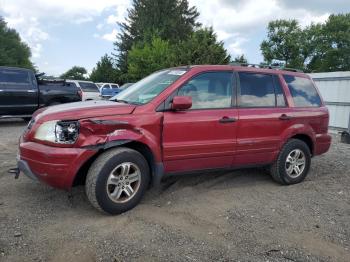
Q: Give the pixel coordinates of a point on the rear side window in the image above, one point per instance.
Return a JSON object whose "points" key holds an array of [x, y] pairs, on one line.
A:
{"points": [[303, 91], [88, 87], [14, 77], [256, 90], [72, 87], [71, 84], [209, 90], [115, 86]]}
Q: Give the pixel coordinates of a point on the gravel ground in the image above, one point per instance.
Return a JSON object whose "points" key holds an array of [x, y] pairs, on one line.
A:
{"points": [[227, 216]]}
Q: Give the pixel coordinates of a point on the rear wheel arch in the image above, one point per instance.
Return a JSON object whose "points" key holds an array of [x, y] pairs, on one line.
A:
{"points": [[306, 139], [302, 132]]}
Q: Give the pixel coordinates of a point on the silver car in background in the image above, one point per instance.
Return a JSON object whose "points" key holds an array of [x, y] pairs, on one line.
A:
{"points": [[88, 89]]}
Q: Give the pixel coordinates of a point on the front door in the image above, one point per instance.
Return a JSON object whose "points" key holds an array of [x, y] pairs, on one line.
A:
{"points": [[204, 136]]}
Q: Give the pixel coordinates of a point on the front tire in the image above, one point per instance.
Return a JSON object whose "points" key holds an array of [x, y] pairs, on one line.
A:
{"points": [[117, 180], [292, 164]]}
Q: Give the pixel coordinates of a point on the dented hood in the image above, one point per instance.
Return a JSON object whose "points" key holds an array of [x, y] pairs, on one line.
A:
{"points": [[81, 110]]}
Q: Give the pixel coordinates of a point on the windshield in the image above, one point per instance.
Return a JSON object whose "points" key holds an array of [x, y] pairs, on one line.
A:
{"points": [[88, 87], [125, 86], [147, 88]]}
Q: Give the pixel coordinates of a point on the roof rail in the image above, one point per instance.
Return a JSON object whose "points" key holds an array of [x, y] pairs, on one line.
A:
{"points": [[267, 66]]}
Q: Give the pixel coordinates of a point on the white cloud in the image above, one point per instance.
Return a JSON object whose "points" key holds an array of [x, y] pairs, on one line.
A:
{"points": [[112, 19], [30, 18], [237, 22], [30, 32], [59, 9], [110, 36], [236, 46]]}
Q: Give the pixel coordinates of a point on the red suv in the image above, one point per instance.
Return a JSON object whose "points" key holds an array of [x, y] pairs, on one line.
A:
{"points": [[178, 120]]}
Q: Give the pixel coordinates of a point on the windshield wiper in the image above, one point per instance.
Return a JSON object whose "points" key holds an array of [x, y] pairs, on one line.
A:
{"points": [[120, 100], [126, 102]]}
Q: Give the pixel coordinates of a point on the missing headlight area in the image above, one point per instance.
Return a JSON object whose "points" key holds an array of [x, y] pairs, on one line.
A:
{"points": [[66, 132]]}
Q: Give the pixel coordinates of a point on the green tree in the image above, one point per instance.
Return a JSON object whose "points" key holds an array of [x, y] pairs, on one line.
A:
{"points": [[147, 58], [332, 48], [13, 52], [170, 20], [104, 71], [240, 59], [316, 48], [75, 73], [283, 43], [202, 47]]}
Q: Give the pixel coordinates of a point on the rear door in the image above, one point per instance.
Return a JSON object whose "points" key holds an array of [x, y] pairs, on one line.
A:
{"points": [[308, 108], [18, 92], [263, 116], [204, 136]]}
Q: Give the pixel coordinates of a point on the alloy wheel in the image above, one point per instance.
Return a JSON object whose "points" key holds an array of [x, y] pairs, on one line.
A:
{"points": [[123, 182], [295, 163]]}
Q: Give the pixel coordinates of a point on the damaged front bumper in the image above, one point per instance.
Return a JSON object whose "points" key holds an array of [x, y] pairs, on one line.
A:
{"points": [[22, 166]]}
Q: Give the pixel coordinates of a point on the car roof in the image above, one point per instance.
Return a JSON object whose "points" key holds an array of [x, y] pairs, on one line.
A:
{"points": [[84, 81], [16, 68], [247, 68]]}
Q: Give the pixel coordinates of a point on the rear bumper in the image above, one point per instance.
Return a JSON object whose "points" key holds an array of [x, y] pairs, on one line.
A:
{"points": [[323, 143], [54, 166]]}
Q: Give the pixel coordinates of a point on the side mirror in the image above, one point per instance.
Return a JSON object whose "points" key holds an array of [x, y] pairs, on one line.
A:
{"points": [[181, 103]]}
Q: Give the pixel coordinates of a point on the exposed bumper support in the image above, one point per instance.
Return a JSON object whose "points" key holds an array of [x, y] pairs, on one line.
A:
{"points": [[22, 166]]}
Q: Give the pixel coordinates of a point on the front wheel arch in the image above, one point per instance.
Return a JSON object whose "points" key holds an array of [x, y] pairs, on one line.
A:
{"points": [[102, 173], [142, 148]]}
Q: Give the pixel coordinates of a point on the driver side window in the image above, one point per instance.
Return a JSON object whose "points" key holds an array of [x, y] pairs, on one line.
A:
{"points": [[209, 90]]}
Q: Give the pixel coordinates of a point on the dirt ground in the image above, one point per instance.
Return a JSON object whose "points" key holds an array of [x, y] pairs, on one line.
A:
{"points": [[228, 216]]}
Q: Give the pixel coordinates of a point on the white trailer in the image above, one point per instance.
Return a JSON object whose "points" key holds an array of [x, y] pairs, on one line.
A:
{"points": [[335, 90]]}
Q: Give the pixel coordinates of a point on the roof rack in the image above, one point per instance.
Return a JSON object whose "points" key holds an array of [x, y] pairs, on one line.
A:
{"points": [[272, 66]]}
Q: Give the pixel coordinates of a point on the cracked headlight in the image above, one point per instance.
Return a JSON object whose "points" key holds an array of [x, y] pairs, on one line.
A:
{"points": [[60, 132]]}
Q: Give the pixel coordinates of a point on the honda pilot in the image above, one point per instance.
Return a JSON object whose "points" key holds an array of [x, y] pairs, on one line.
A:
{"points": [[178, 120]]}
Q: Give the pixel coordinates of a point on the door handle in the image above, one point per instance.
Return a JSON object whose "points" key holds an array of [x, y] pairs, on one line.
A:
{"points": [[285, 117], [31, 91], [226, 119], [1, 90]]}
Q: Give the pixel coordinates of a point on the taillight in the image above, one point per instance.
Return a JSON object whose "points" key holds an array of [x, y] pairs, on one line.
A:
{"points": [[80, 93]]}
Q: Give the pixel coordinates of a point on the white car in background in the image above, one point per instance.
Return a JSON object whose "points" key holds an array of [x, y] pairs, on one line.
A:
{"points": [[107, 85], [88, 89]]}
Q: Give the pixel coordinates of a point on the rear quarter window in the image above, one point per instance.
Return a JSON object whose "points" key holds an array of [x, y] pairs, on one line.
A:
{"points": [[88, 87], [72, 86], [303, 91], [14, 77]]}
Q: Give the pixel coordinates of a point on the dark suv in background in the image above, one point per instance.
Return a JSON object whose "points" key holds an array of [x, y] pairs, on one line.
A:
{"points": [[178, 120], [22, 92]]}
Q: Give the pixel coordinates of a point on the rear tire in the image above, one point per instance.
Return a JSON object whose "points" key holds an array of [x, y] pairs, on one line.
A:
{"points": [[292, 164], [117, 180]]}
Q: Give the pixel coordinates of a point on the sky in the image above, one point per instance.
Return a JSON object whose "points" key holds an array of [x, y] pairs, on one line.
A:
{"points": [[65, 33]]}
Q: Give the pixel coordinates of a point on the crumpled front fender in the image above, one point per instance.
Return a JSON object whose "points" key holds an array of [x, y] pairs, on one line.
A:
{"points": [[104, 134]]}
